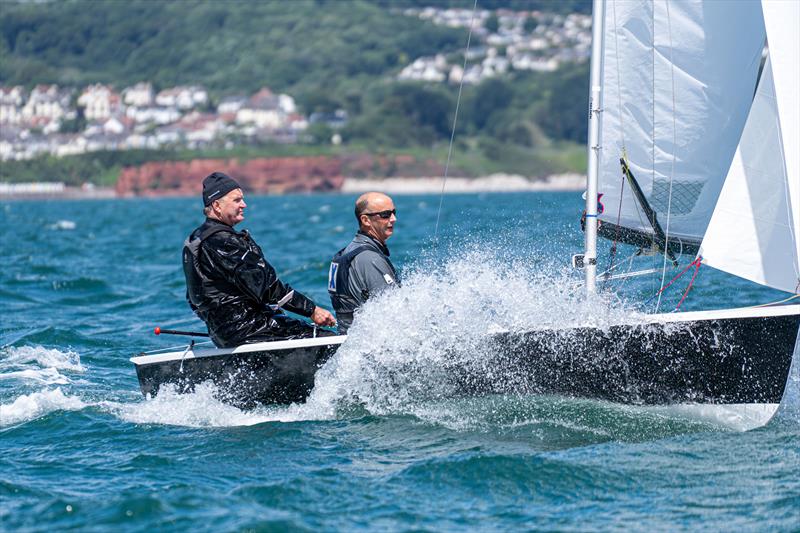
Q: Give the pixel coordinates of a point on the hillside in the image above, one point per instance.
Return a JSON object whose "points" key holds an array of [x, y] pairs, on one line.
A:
{"points": [[328, 54]]}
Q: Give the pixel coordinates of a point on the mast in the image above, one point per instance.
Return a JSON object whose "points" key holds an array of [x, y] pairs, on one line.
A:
{"points": [[593, 149]]}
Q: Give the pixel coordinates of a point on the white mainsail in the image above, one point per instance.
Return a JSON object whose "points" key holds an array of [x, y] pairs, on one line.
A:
{"points": [[678, 81], [754, 232]]}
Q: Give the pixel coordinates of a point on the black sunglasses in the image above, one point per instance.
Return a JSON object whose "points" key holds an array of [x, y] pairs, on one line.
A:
{"points": [[383, 214]]}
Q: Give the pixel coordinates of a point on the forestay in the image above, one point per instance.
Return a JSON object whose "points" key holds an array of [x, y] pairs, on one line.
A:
{"points": [[678, 81], [756, 224]]}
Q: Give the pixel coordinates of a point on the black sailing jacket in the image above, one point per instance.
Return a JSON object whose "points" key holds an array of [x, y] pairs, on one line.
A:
{"points": [[229, 284]]}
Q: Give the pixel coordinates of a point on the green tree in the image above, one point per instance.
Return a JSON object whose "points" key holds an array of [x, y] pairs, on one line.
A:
{"points": [[492, 23], [530, 24]]}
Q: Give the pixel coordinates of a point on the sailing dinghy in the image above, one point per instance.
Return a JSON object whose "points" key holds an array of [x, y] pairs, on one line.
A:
{"points": [[688, 161], [694, 150]]}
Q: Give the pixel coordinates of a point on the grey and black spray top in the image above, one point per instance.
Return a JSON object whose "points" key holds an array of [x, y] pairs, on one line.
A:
{"points": [[358, 271]]}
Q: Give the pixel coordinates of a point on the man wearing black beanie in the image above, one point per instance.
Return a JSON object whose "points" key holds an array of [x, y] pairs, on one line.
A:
{"points": [[230, 284]]}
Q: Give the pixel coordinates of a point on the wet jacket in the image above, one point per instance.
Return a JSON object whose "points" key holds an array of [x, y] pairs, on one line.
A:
{"points": [[358, 271], [229, 284]]}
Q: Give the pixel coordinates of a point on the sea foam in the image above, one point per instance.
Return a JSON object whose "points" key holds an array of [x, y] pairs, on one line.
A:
{"points": [[36, 405], [63, 225], [198, 409], [41, 357]]}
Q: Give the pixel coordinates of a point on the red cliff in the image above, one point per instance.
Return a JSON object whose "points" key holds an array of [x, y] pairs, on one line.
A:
{"points": [[275, 175]]}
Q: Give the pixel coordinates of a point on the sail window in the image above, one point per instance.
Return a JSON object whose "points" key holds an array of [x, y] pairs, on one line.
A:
{"points": [[684, 196]]}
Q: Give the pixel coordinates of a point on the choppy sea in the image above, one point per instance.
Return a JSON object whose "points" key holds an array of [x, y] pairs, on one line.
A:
{"points": [[84, 282]]}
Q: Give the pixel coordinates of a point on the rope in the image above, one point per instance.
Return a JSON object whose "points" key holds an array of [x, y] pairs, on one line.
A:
{"points": [[789, 299], [619, 207], [696, 264], [173, 348], [453, 131]]}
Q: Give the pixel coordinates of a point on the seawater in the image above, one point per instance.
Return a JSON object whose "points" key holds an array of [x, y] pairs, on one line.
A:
{"points": [[83, 284]]}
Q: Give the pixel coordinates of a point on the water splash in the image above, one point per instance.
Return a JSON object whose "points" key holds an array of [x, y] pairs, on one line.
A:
{"points": [[24, 370], [789, 411], [41, 357], [36, 405], [406, 346], [198, 409], [46, 376]]}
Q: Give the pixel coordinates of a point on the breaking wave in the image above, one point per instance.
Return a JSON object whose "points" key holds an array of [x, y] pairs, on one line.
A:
{"points": [[36, 405], [26, 372], [40, 357], [63, 225]]}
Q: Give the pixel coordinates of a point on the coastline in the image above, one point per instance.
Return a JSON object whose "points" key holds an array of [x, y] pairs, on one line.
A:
{"points": [[459, 185], [394, 185]]}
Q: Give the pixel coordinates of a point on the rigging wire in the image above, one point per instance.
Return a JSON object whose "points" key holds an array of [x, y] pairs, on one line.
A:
{"points": [[672, 164], [653, 122], [621, 136], [453, 131]]}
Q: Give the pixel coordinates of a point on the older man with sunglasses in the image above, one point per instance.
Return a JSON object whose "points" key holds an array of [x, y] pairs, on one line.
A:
{"points": [[362, 268]]}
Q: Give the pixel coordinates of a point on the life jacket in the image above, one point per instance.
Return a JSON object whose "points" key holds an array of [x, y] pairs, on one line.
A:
{"points": [[196, 281], [342, 299]]}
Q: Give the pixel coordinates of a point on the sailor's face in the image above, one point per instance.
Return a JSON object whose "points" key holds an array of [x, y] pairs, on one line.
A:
{"points": [[230, 208], [379, 227]]}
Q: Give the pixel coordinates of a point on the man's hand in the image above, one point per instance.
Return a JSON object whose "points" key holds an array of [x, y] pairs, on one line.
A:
{"points": [[322, 317]]}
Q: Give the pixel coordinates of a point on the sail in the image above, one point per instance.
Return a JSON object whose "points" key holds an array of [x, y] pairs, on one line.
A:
{"points": [[755, 229], [678, 80]]}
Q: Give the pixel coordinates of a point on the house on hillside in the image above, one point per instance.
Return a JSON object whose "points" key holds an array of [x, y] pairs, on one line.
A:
{"points": [[262, 110], [11, 102], [183, 97], [114, 125], [425, 69], [99, 102], [171, 134], [231, 104], [47, 104], [153, 114], [201, 129], [139, 95]]}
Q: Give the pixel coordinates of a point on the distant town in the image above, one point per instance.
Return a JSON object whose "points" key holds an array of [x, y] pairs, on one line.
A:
{"points": [[518, 40], [63, 121]]}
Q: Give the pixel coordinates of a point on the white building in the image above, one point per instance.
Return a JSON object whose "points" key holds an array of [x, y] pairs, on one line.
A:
{"points": [[262, 110], [46, 103], [99, 102], [11, 100], [182, 97], [231, 104], [154, 115], [139, 95], [426, 69]]}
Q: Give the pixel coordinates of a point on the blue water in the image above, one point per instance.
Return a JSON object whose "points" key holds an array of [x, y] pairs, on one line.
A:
{"points": [[84, 282]]}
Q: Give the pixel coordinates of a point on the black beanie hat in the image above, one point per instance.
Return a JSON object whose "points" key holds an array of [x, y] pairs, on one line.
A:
{"points": [[217, 185]]}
